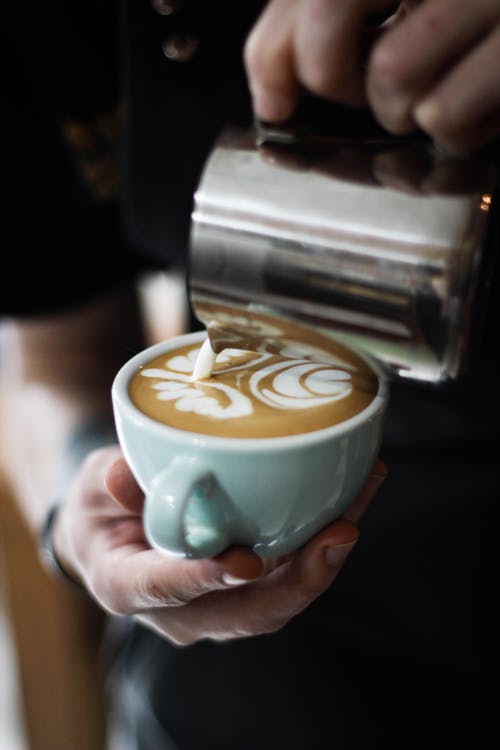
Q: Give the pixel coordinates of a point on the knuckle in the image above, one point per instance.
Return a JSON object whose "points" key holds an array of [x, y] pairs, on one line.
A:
{"points": [[433, 20], [384, 69]]}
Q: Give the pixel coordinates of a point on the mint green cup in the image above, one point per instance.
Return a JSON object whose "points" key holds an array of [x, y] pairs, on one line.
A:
{"points": [[205, 493]]}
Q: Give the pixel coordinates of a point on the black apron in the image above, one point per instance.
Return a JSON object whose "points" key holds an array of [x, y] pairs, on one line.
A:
{"points": [[399, 652]]}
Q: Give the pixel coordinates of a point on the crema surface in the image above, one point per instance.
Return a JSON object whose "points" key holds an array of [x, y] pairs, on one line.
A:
{"points": [[256, 394]]}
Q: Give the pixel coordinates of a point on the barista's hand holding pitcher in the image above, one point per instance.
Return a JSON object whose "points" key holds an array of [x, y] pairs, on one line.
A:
{"points": [[431, 64], [100, 540]]}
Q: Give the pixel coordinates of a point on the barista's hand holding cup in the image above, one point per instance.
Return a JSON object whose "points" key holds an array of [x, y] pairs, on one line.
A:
{"points": [[263, 454]]}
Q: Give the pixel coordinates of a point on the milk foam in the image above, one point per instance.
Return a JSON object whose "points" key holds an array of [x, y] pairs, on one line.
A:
{"points": [[299, 384], [205, 362], [290, 384]]}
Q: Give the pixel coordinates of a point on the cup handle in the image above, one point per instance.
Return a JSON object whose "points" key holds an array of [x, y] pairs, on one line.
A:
{"points": [[187, 512]]}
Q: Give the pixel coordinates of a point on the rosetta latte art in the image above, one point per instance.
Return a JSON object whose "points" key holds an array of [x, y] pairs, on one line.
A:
{"points": [[267, 393], [298, 384], [288, 384]]}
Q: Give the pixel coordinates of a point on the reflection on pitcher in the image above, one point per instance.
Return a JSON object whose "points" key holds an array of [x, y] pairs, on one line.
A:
{"points": [[390, 246]]}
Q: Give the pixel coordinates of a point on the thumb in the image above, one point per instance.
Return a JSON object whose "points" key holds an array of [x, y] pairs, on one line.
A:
{"points": [[121, 484]]}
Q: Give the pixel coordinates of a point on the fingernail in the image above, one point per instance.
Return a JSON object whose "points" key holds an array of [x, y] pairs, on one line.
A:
{"points": [[425, 113], [335, 556], [233, 580]]}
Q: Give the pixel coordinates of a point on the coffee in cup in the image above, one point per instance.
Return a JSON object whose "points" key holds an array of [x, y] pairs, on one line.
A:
{"points": [[295, 387], [241, 458]]}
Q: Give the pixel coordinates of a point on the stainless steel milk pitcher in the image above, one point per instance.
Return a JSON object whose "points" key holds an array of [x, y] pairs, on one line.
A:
{"points": [[384, 242]]}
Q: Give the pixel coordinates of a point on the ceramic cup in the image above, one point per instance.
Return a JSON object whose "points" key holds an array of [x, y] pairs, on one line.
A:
{"points": [[204, 493]]}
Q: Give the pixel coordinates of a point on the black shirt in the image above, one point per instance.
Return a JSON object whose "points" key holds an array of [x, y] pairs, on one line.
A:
{"points": [[107, 139]]}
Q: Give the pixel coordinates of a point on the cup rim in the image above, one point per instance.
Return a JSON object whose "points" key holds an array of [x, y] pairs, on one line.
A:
{"points": [[123, 404]]}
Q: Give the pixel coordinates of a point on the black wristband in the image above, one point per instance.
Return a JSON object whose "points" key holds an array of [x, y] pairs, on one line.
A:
{"points": [[96, 432], [48, 554]]}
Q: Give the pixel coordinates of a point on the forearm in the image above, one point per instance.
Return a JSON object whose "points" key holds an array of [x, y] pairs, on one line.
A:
{"points": [[56, 379]]}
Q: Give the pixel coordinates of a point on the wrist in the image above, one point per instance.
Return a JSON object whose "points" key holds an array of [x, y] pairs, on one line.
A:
{"points": [[51, 546], [55, 538]]}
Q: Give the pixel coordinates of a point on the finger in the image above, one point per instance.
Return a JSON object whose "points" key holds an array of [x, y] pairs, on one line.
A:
{"points": [[417, 52], [463, 112], [269, 603], [240, 565], [377, 477], [162, 580], [268, 57], [129, 577], [122, 485], [320, 561], [330, 49], [90, 487]]}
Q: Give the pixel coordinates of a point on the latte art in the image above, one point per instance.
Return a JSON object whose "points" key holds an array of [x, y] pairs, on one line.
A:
{"points": [[215, 400], [253, 394], [299, 385]]}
